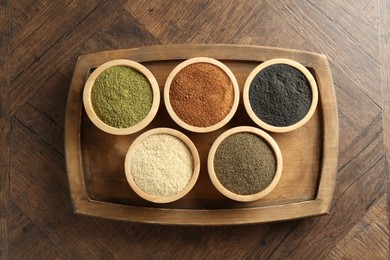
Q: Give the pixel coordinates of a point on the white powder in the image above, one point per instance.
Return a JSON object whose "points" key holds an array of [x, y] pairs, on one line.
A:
{"points": [[161, 165]]}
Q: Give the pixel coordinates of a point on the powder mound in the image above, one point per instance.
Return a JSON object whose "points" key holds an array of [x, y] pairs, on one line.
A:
{"points": [[244, 163], [280, 95], [161, 165], [201, 94], [121, 96]]}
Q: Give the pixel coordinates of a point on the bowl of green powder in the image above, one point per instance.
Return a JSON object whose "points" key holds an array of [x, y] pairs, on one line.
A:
{"points": [[245, 163], [121, 97], [280, 95], [201, 94], [162, 165]]}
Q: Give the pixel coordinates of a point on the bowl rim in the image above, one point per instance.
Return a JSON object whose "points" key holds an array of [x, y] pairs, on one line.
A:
{"points": [[313, 87], [100, 123], [270, 141], [177, 119], [195, 173]]}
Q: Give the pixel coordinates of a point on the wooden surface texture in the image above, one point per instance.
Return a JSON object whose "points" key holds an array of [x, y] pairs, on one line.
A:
{"points": [[39, 45]]}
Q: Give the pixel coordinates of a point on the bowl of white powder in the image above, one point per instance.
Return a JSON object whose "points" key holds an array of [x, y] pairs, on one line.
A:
{"points": [[162, 165]]}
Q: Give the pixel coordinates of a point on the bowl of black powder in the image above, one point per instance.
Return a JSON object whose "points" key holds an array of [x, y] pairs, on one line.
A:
{"points": [[245, 163], [280, 95]]}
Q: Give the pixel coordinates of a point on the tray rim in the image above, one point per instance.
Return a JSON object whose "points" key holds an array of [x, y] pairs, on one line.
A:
{"points": [[82, 204]]}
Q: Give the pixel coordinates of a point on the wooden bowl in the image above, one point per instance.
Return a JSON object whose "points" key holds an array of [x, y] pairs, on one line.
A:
{"points": [[280, 129], [195, 165], [173, 114], [94, 117], [273, 145]]}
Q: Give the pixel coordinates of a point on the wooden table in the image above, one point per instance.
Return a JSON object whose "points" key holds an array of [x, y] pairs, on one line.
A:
{"points": [[39, 45]]}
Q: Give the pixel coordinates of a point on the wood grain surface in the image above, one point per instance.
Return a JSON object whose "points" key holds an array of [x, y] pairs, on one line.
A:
{"points": [[39, 45]]}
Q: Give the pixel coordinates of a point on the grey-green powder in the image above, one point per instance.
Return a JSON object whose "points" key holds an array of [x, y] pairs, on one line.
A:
{"points": [[121, 96], [244, 163]]}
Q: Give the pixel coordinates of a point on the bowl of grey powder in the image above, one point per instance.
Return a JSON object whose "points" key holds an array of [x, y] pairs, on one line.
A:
{"points": [[245, 163], [162, 165], [121, 97], [280, 95]]}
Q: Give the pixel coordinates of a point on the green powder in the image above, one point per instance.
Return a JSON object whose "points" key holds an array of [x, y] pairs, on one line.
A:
{"points": [[121, 96], [244, 163]]}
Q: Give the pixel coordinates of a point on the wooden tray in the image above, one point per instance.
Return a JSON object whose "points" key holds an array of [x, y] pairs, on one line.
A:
{"points": [[95, 159]]}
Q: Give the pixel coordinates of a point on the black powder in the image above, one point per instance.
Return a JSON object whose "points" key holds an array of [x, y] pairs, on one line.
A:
{"points": [[244, 163], [280, 95]]}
